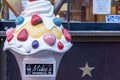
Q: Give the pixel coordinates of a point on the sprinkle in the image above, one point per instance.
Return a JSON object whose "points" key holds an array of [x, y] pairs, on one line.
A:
{"points": [[19, 20], [35, 44], [57, 21], [36, 19], [23, 35], [60, 45], [66, 34], [50, 39]]}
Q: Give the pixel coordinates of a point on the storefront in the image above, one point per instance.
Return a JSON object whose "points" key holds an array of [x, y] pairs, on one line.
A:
{"points": [[96, 43]]}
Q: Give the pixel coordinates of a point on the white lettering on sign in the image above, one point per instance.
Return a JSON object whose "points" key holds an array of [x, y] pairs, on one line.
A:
{"points": [[39, 68]]}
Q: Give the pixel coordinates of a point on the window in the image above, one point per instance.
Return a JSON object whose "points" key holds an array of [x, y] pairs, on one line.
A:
{"points": [[82, 11]]}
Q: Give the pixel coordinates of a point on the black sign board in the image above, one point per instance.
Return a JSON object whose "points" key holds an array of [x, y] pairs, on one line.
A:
{"points": [[39, 69]]}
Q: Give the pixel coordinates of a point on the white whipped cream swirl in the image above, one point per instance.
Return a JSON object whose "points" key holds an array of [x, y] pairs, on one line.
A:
{"points": [[41, 7]]}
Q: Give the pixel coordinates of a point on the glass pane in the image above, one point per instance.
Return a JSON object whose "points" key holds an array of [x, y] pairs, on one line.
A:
{"points": [[63, 11], [82, 11]]}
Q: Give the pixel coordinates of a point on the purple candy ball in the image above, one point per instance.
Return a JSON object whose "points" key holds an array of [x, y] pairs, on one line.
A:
{"points": [[35, 44]]}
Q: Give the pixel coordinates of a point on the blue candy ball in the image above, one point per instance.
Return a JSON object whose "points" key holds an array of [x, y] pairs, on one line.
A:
{"points": [[57, 21], [19, 20], [35, 44]]}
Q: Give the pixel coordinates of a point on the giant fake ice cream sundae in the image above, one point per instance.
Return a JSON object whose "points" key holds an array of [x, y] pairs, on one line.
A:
{"points": [[38, 29], [38, 32]]}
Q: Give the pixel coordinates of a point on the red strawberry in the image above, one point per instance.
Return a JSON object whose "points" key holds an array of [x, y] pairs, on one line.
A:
{"points": [[9, 38], [32, 0], [60, 45], [36, 19], [23, 35], [66, 34]]}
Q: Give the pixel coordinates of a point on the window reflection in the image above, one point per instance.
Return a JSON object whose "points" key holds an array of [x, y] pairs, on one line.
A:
{"points": [[82, 11], [63, 12]]}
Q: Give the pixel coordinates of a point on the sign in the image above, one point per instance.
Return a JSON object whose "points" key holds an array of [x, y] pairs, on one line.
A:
{"points": [[113, 19], [39, 68], [101, 6]]}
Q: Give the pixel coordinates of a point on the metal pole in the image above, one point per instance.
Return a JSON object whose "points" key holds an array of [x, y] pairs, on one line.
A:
{"points": [[68, 14]]}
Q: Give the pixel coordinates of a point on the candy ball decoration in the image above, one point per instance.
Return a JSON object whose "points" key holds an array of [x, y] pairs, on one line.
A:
{"points": [[35, 44], [19, 20], [66, 34], [50, 39], [23, 35], [36, 19], [10, 31], [57, 21], [60, 45]]}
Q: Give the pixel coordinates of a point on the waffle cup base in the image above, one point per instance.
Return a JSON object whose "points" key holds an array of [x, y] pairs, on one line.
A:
{"points": [[43, 56]]}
